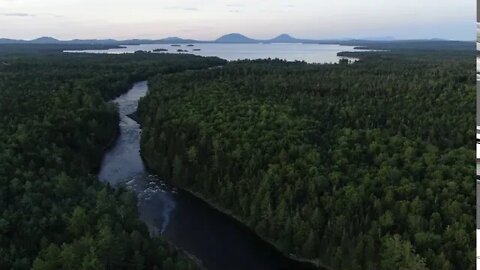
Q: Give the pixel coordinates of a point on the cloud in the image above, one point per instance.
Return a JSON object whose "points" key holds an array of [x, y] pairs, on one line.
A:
{"points": [[183, 8], [235, 5], [18, 14]]}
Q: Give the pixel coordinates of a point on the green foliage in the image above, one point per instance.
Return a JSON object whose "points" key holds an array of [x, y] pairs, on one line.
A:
{"points": [[362, 166], [399, 254], [54, 126]]}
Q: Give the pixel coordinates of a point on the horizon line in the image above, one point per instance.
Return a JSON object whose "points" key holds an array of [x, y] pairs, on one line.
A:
{"points": [[373, 38]]}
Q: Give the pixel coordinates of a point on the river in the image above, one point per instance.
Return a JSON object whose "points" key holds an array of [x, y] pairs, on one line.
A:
{"points": [[214, 239]]}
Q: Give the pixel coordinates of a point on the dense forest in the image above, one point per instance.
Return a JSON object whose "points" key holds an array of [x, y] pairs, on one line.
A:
{"points": [[54, 127], [355, 166]]}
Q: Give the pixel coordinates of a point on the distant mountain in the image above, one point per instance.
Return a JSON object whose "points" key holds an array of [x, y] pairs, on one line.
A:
{"points": [[235, 38], [8, 41], [168, 40], [173, 39], [92, 41], [232, 38], [177, 40], [229, 38], [386, 38], [45, 40], [50, 40], [284, 38]]}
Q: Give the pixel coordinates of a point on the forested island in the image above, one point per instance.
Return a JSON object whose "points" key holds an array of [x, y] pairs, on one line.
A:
{"points": [[54, 125], [352, 166]]}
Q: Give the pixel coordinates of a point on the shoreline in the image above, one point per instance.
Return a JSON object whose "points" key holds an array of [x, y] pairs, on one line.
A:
{"points": [[307, 263], [108, 146], [114, 137], [313, 264], [310, 263]]}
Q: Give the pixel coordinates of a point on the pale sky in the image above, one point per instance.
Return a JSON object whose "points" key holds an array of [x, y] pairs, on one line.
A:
{"points": [[206, 20]]}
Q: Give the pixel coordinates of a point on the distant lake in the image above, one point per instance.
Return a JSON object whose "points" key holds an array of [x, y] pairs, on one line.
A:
{"points": [[311, 53]]}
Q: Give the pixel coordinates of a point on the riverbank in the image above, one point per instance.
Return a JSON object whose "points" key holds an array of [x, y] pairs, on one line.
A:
{"points": [[190, 244], [300, 262], [315, 264], [115, 139]]}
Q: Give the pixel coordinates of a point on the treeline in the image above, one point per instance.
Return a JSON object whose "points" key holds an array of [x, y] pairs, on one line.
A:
{"points": [[361, 166], [414, 46], [26, 48], [54, 127]]}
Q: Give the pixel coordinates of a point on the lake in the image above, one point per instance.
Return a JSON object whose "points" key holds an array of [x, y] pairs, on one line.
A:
{"points": [[311, 53]]}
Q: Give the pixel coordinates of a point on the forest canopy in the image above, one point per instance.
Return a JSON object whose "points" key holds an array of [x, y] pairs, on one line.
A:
{"points": [[356, 166], [54, 126]]}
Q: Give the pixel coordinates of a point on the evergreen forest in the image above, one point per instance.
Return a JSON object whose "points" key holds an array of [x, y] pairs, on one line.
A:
{"points": [[367, 165]]}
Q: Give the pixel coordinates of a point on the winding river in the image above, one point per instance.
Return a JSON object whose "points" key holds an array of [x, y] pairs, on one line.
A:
{"points": [[213, 239]]}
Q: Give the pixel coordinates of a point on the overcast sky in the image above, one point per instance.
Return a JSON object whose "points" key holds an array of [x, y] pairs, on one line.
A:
{"points": [[402, 19]]}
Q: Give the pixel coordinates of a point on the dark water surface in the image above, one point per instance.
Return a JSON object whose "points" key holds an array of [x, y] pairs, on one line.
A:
{"points": [[214, 239]]}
